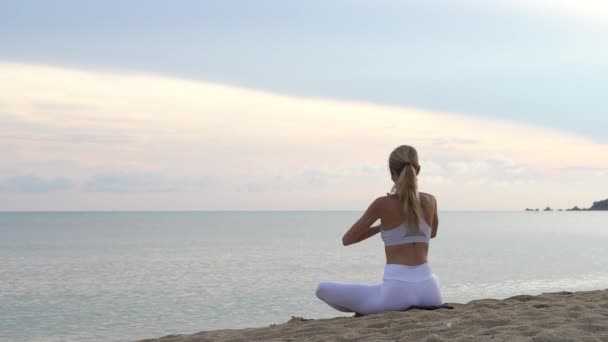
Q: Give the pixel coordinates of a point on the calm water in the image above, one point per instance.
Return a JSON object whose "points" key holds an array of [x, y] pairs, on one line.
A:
{"points": [[125, 276]]}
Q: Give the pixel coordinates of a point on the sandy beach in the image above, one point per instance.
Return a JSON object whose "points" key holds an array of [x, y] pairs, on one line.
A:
{"points": [[557, 316]]}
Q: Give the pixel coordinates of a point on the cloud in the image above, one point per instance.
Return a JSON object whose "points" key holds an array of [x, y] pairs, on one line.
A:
{"points": [[276, 150], [314, 178], [304, 180], [73, 138], [477, 172], [143, 182], [584, 171], [16, 129], [33, 184]]}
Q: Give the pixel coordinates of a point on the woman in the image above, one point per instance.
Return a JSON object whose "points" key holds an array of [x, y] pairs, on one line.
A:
{"points": [[408, 220]]}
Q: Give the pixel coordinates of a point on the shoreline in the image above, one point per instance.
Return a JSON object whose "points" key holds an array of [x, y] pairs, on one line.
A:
{"points": [[551, 316]]}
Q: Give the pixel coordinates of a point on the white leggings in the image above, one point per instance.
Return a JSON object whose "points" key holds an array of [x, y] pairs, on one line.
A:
{"points": [[402, 287]]}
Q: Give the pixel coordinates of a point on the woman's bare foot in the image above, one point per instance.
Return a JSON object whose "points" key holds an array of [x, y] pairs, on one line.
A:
{"points": [[358, 314]]}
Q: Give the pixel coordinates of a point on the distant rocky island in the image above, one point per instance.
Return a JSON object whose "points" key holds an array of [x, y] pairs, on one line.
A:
{"points": [[600, 205]]}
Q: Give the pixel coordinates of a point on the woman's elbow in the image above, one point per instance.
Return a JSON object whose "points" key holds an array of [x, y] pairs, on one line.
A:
{"points": [[346, 241]]}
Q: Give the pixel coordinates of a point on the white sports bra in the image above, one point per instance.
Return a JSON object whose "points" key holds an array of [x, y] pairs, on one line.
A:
{"points": [[402, 234]]}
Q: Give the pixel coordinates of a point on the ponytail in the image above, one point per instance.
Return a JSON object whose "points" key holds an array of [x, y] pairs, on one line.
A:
{"points": [[404, 161]]}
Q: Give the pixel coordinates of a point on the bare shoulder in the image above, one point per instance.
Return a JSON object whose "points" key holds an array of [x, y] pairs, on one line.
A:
{"points": [[427, 196], [382, 201], [386, 202], [428, 199]]}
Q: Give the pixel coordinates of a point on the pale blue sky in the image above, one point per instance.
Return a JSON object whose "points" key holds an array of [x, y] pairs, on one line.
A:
{"points": [[526, 64], [120, 105]]}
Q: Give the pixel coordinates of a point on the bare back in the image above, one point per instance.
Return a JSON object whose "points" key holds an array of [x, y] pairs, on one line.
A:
{"points": [[391, 216]]}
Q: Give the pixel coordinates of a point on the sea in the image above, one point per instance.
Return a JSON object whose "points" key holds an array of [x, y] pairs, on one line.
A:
{"points": [[124, 276]]}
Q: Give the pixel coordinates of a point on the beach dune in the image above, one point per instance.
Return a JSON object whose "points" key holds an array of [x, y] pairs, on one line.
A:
{"points": [[557, 316]]}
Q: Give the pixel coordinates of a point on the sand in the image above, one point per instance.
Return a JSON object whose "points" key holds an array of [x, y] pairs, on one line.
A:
{"points": [[559, 316]]}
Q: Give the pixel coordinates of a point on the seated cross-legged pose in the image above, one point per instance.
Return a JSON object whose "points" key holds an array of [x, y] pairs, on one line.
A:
{"points": [[408, 220]]}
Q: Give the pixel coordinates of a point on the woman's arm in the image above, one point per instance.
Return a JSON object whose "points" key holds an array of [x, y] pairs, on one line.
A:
{"points": [[435, 219], [369, 233], [362, 226]]}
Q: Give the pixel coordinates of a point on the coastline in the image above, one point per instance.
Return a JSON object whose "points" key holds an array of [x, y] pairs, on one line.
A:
{"points": [[552, 316]]}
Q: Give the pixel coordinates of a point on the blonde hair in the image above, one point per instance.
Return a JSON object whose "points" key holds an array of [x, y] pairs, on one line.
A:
{"points": [[404, 162]]}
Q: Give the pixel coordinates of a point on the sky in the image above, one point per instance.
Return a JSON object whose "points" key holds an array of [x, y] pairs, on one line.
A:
{"points": [[275, 105]]}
